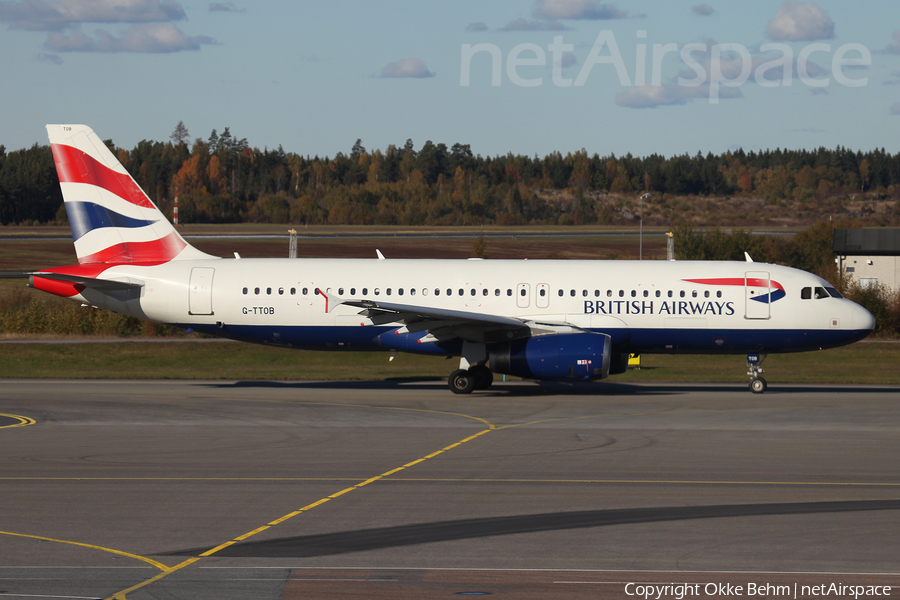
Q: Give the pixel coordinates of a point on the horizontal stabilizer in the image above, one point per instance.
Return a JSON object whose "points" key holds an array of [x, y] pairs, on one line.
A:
{"points": [[89, 282]]}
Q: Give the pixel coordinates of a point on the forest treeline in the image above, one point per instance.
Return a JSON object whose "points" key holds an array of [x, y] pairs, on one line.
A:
{"points": [[224, 180]]}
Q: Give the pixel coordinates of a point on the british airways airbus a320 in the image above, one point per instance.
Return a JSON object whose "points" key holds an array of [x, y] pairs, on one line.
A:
{"points": [[536, 319]]}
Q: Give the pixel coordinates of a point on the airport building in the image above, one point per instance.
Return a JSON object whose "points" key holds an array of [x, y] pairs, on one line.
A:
{"points": [[868, 256]]}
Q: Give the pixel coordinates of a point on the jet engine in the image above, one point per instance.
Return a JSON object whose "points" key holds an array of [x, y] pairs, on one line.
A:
{"points": [[560, 356]]}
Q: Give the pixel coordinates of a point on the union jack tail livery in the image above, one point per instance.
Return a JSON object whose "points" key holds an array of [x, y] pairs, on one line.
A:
{"points": [[112, 219]]}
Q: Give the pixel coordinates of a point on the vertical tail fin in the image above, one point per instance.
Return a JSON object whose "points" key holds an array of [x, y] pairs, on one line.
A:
{"points": [[112, 219]]}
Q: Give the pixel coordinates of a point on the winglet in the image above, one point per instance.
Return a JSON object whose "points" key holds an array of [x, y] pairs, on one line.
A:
{"points": [[747, 256], [380, 255]]}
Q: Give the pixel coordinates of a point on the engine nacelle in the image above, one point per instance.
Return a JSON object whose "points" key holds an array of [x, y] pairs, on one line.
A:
{"points": [[573, 356]]}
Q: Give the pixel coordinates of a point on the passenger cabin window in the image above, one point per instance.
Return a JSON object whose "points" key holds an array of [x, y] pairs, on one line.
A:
{"points": [[473, 292], [484, 292], [281, 291], [719, 294], [245, 291], [522, 292], [269, 291], [633, 294], [497, 292], [561, 293], [293, 291], [305, 291], [508, 292], [256, 291], [365, 291], [670, 293], [352, 291], [400, 292], [646, 293], [694, 294], [543, 292], [572, 293], [437, 292]]}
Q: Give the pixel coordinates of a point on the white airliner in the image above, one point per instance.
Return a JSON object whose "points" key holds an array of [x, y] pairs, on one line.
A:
{"points": [[536, 319]]}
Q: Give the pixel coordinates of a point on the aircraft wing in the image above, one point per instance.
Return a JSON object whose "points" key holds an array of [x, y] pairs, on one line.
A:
{"points": [[444, 324]]}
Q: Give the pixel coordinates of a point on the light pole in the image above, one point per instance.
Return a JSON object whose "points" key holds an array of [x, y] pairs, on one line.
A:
{"points": [[641, 251]]}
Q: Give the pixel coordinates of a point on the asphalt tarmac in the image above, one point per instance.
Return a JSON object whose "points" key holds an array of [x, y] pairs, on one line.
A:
{"points": [[236, 490]]}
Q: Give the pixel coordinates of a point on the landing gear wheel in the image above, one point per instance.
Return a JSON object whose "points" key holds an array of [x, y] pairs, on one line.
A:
{"points": [[484, 377], [758, 385], [461, 382]]}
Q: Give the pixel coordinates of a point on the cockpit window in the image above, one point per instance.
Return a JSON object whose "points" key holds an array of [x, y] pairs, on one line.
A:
{"points": [[821, 293], [806, 293], [833, 292]]}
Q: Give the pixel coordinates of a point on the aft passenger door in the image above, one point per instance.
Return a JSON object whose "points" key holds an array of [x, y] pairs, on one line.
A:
{"points": [[200, 290], [757, 295]]}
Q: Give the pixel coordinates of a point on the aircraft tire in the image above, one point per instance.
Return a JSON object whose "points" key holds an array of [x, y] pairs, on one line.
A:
{"points": [[461, 382], [484, 377], [758, 385]]}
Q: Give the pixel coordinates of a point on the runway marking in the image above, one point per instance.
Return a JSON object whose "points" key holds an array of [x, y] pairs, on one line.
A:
{"points": [[23, 421], [149, 561], [468, 480], [169, 570]]}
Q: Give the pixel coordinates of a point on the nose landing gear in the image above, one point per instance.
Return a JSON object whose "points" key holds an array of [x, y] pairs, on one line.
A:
{"points": [[758, 385]]}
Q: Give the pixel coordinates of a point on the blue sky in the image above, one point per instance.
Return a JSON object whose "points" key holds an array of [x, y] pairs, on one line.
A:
{"points": [[315, 76]]}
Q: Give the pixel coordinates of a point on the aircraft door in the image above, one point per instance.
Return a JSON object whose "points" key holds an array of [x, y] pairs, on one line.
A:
{"points": [[757, 294], [523, 293], [200, 290], [542, 297]]}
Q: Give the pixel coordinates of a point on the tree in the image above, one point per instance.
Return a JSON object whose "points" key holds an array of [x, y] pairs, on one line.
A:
{"points": [[180, 135]]}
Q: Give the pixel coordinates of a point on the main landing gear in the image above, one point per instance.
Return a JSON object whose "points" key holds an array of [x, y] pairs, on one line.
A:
{"points": [[477, 377], [754, 365]]}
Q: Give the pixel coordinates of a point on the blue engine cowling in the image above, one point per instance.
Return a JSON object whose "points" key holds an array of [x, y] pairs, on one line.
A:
{"points": [[572, 356]]}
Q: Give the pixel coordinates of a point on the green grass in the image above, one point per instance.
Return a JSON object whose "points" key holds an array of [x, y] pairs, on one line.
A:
{"points": [[864, 363]]}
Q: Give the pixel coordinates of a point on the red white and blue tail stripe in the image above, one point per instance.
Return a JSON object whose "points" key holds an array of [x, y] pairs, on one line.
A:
{"points": [[112, 219]]}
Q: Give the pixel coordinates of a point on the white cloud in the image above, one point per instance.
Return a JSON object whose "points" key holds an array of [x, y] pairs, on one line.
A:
{"points": [[225, 7], [577, 9], [477, 26], [800, 23], [670, 94], [524, 25], [893, 48], [703, 10], [408, 67], [152, 38], [56, 15]]}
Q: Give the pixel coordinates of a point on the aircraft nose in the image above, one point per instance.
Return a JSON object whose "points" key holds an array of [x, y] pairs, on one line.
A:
{"points": [[862, 319]]}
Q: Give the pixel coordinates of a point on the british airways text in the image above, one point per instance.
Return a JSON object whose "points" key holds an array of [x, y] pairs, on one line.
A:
{"points": [[649, 307]]}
